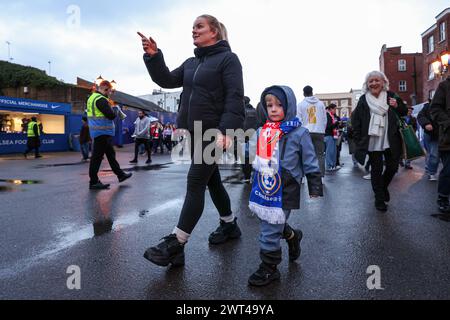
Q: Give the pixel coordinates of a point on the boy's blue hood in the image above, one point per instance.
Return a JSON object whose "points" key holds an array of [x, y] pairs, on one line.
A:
{"points": [[291, 112]]}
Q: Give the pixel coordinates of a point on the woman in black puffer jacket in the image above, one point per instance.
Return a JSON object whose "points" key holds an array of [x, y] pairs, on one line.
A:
{"points": [[213, 94]]}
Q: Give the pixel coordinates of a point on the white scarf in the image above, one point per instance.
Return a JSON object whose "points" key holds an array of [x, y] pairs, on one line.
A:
{"points": [[378, 121]]}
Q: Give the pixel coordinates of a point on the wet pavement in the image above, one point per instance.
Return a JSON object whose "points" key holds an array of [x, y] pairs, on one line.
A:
{"points": [[50, 221]]}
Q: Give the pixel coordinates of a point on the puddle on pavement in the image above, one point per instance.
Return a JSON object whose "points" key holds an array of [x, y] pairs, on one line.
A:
{"points": [[41, 166], [151, 167], [142, 213], [20, 182], [7, 189], [442, 216], [234, 179]]}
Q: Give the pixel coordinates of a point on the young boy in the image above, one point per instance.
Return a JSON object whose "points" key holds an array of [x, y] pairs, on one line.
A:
{"points": [[284, 154]]}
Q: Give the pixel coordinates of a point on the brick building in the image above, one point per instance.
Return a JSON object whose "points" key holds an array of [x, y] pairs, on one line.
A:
{"points": [[435, 41], [405, 73]]}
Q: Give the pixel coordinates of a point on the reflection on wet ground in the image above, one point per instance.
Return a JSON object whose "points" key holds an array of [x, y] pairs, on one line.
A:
{"points": [[41, 166], [234, 179], [442, 216], [7, 189], [102, 227], [15, 182], [19, 182], [154, 167]]}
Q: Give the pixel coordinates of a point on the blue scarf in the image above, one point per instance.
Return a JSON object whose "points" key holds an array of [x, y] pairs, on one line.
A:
{"points": [[266, 198]]}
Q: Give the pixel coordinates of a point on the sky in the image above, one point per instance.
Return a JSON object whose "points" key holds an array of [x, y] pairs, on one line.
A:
{"points": [[330, 45]]}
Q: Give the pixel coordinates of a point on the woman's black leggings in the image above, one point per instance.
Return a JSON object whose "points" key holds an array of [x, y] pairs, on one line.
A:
{"points": [[201, 175]]}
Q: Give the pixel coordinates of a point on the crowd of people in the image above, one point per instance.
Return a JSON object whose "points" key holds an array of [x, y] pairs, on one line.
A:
{"points": [[291, 141]]}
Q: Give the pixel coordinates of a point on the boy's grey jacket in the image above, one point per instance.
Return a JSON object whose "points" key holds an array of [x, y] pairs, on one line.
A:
{"points": [[297, 156]]}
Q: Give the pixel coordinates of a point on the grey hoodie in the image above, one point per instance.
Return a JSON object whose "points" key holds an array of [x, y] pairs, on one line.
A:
{"points": [[297, 156]]}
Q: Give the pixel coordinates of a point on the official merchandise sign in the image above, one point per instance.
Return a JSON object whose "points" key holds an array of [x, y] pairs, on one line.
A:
{"points": [[16, 143], [9, 103]]}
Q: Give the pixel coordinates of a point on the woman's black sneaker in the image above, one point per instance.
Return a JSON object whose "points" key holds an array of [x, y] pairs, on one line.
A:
{"points": [[264, 275], [169, 251], [224, 232]]}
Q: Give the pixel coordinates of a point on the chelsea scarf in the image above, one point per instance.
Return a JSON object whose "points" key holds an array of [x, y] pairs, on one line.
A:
{"points": [[266, 196]]}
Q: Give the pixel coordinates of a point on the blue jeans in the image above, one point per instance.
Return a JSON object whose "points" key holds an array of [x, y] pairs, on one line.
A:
{"points": [[432, 157], [330, 152], [85, 150], [444, 176], [271, 234]]}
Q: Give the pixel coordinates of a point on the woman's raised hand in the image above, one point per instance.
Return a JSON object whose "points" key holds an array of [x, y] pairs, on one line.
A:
{"points": [[148, 44]]}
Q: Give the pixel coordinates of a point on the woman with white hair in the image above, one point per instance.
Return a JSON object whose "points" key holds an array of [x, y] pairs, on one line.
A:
{"points": [[376, 133]]}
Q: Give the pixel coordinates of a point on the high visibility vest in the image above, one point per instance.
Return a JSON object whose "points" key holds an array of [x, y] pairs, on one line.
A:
{"points": [[30, 132], [99, 125]]}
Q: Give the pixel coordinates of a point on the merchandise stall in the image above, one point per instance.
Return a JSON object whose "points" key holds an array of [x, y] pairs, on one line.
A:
{"points": [[15, 113]]}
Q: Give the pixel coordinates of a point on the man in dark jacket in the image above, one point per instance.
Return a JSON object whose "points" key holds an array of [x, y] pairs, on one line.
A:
{"points": [[430, 140], [101, 125], [440, 113], [34, 138], [85, 139]]}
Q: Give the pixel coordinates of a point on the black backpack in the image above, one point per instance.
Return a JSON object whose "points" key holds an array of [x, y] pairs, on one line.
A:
{"points": [[250, 118]]}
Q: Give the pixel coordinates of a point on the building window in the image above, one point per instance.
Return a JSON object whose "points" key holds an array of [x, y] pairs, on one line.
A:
{"points": [[402, 86], [430, 72], [401, 65], [442, 31], [430, 44]]}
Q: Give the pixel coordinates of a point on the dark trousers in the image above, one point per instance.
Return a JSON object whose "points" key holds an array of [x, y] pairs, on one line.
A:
{"points": [[168, 143], [381, 180], [157, 143], [146, 144], [444, 176], [33, 143], [103, 145], [200, 176]]}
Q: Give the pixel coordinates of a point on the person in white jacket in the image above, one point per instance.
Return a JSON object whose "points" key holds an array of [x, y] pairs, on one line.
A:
{"points": [[142, 136], [312, 113]]}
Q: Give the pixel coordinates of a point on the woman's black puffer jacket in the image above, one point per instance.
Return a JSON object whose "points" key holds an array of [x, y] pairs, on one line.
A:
{"points": [[213, 89]]}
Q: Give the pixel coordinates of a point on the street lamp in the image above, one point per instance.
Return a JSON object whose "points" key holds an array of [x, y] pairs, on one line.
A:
{"points": [[114, 85], [9, 51], [98, 80], [49, 68], [440, 65]]}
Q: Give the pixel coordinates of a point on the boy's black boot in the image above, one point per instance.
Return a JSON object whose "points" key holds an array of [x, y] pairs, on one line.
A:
{"points": [[169, 251], [267, 271], [224, 232], [293, 238], [443, 204]]}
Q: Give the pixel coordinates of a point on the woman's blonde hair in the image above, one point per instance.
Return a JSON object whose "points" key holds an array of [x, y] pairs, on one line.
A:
{"points": [[216, 25]]}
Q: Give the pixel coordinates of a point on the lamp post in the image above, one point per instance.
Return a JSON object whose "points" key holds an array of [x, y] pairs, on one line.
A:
{"points": [[440, 65], [49, 68], [9, 51]]}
